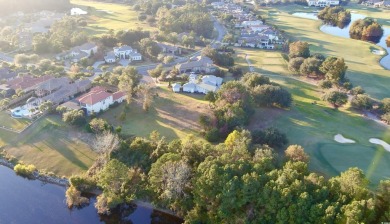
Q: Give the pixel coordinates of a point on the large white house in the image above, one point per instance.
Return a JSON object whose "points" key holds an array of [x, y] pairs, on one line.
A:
{"points": [[322, 3], [79, 52], [208, 83], [98, 99], [127, 52]]}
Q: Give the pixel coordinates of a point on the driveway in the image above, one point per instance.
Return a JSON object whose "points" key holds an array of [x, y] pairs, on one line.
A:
{"points": [[124, 62]]}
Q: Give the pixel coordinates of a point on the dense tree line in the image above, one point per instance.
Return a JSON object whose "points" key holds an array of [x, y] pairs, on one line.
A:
{"points": [[234, 104], [236, 181], [9, 7], [187, 18], [335, 16], [366, 29], [63, 35], [316, 65], [219, 58]]}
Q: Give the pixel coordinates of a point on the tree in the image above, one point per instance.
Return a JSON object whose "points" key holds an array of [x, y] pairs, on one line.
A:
{"points": [[386, 117], [269, 95], [236, 71], [334, 69], [362, 102], [296, 153], [99, 125], [311, 66], [336, 98], [325, 84], [270, 136], [299, 49], [385, 105], [156, 72], [74, 117], [294, 64], [170, 179], [145, 92], [382, 199], [357, 90], [253, 79]]}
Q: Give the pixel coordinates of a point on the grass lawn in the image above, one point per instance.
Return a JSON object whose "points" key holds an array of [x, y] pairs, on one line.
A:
{"points": [[363, 66], [103, 17], [9, 122], [52, 145], [313, 125], [173, 115]]}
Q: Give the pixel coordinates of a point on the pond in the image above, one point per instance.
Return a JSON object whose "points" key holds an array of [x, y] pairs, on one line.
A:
{"points": [[344, 32], [32, 201]]}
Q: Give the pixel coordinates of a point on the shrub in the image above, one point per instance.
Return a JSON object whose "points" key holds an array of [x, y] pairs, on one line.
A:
{"points": [[386, 117], [212, 135], [74, 198], [25, 170], [82, 183]]}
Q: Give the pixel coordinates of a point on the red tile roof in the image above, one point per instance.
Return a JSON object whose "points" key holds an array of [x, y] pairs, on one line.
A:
{"points": [[92, 98], [118, 95], [27, 82]]}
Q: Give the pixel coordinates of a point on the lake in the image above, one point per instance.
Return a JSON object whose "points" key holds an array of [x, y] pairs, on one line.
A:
{"points": [[32, 201], [344, 32]]}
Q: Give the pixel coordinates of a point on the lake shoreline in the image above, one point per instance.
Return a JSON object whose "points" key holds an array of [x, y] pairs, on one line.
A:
{"points": [[64, 182]]}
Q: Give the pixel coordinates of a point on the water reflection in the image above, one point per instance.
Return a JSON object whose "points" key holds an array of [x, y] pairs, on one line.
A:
{"points": [[32, 201]]}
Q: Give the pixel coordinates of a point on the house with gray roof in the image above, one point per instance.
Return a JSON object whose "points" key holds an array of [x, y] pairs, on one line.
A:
{"points": [[197, 64]]}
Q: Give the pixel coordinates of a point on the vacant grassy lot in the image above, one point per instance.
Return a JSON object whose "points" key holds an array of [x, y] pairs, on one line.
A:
{"points": [[173, 115], [103, 17], [16, 124], [364, 68], [52, 145], [313, 124]]}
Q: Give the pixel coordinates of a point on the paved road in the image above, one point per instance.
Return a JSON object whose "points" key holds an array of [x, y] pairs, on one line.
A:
{"points": [[6, 58]]}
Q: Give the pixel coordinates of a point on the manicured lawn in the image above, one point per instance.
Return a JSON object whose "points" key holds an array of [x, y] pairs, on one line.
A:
{"points": [[7, 121], [103, 17], [52, 145], [363, 66], [314, 126], [312, 123], [173, 115], [266, 62]]}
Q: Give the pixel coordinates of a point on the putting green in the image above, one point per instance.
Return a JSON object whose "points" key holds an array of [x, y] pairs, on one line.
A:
{"points": [[332, 158]]}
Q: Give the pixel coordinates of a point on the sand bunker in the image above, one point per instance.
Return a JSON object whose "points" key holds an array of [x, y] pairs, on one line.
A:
{"points": [[340, 139], [380, 142], [106, 11], [378, 52]]}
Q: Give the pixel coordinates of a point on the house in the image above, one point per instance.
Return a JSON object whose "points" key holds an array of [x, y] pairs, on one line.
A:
{"points": [[206, 87], [176, 87], [79, 52], [212, 79], [5, 91], [66, 90], [118, 97], [192, 78], [110, 57], [169, 49], [99, 99], [6, 74], [251, 23], [197, 64], [190, 87], [322, 3], [27, 82], [135, 56]]}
